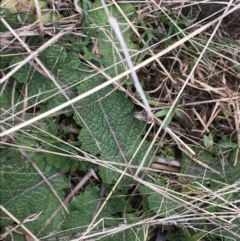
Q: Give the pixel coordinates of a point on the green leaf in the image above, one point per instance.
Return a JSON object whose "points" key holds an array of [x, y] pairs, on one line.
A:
{"points": [[164, 206], [25, 73], [23, 192], [54, 55], [55, 160], [132, 234], [176, 234], [201, 174], [171, 115], [100, 18], [108, 125], [235, 230], [164, 112], [5, 60], [7, 107], [63, 67], [228, 172], [161, 113], [108, 44], [61, 162], [83, 207], [208, 141], [6, 100], [227, 144], [10, 18]]}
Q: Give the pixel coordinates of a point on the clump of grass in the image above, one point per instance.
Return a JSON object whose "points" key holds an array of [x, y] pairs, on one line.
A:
{"points": [[178, 178]]}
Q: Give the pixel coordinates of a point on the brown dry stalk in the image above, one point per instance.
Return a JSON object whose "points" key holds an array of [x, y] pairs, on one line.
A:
{"points": [[28, 6]]}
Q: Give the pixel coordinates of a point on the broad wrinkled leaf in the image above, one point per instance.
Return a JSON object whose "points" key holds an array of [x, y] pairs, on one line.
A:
{"points": [[109, 126]]}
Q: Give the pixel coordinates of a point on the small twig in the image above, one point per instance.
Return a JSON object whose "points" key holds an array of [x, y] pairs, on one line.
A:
{"points": [[162, 167]]}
